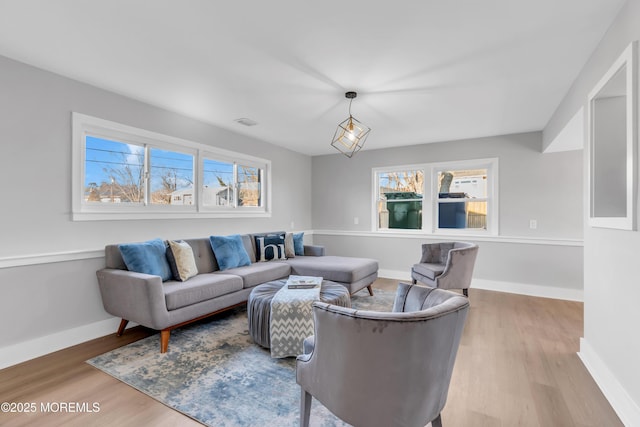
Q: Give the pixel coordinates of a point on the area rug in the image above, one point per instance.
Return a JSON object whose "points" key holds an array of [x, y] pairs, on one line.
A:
{"points": [[215, 374]]}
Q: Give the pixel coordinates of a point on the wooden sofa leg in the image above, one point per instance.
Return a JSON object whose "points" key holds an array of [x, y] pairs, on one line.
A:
{"points": [[465, 291], [123, 325], [370, 289], [164, 340], [414, 281]]}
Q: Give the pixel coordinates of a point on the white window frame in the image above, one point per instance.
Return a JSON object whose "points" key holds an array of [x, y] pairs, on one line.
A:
{"points": [[84, 125], [211, 155], [376, 192], [430, 197]]}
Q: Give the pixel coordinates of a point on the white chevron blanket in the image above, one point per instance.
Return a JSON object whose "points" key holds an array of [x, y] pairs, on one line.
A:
{"points": [[291, 319]]}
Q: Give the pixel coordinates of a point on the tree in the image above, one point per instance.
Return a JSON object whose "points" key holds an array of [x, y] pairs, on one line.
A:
{"points": [[127, 179], [406, 181], [249, 191], [221, 182], [171, 180], [94, 194], [445, 182]]}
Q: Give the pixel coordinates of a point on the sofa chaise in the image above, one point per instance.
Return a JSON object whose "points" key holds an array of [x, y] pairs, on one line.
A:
{"points": [[166, 305]]}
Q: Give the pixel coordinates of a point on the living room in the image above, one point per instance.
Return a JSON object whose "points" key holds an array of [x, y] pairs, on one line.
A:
{"points": [[540, 244]]}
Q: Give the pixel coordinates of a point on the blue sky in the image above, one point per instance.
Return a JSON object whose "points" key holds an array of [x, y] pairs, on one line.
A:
{"points": [[103, 156]]}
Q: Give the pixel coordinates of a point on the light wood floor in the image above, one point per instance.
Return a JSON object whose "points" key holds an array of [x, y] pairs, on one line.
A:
{"points": [[517, 366]]}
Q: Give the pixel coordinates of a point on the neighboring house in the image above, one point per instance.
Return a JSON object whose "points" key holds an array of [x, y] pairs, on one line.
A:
{"points": [[182, 197], [211, 196]]}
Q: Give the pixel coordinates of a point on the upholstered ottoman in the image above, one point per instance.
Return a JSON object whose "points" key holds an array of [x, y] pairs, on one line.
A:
{"points": [[259, 306], [352, 273]]}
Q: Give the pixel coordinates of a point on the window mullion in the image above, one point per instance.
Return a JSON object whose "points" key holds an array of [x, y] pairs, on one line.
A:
{"points": [[235, 184], [147, 181], [427, 200]]}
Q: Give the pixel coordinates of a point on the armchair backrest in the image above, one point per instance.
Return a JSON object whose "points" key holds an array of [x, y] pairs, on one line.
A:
{"points": [[386, 368], [436, 253], [456, 261]]}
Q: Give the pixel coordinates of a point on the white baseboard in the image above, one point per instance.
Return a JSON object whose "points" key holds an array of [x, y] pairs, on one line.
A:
{"points": [[395, 275], [620, 401], [27, 350], [529, 289], [499, 286]]}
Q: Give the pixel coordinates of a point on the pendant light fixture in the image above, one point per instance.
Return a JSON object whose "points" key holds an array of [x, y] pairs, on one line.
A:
{"points": [[351, 134]]}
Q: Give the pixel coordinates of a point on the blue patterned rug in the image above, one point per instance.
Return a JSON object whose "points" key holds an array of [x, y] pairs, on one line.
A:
{"points": [[215, 374]]}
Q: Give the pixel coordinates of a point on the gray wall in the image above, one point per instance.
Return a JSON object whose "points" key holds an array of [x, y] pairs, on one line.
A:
{"points": [[545, 187], [610, 347], [35, 169], [532, 185]]}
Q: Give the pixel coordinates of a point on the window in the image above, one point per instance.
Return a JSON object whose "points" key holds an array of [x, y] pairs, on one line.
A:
{"points": [[218, 183], [462, 198], [121, 172], [230, 184], [453, 197], [171, 175], [249, 182], [114, 172], [400, 195]]}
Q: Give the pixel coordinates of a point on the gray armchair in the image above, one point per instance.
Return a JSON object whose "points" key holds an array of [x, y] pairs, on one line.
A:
{"points": [[446, 265], [383, 368]]}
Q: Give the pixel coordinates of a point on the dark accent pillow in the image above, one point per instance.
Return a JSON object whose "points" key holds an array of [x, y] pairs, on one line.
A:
{"points": [[229, 251], [298, 243], [148, 257], [270, 246]]}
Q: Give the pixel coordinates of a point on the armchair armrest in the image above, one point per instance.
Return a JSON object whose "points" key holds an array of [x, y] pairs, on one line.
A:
{"points": [[134, 296], [313, 250]]}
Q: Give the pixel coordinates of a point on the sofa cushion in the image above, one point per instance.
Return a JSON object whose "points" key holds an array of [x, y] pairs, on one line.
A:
{"points": [[148, 257], [271, 246], [429, 270], [334, 268], [229, 251], [203, 254], [261, 272], [200, 288], [113, 257], [181, 260], [298, 243], [249, 246]]}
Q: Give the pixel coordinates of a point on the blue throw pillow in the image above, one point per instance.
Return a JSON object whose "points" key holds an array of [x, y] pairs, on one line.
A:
{"points": [[298, 243], [229, 251], [270, 246], [147, 257]]}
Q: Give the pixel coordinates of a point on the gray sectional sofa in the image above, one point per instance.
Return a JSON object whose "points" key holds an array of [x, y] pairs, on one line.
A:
{"points": [[165, 305]]}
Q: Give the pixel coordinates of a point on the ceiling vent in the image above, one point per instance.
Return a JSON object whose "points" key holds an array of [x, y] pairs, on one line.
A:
{"points": [[246, 122]]}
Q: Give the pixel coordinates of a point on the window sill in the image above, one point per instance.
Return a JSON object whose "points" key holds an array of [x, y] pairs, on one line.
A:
{"points": [[119, 216]]}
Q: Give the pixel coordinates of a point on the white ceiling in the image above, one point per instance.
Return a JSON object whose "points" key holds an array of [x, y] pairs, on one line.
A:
{"points": [[425, 70]]}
